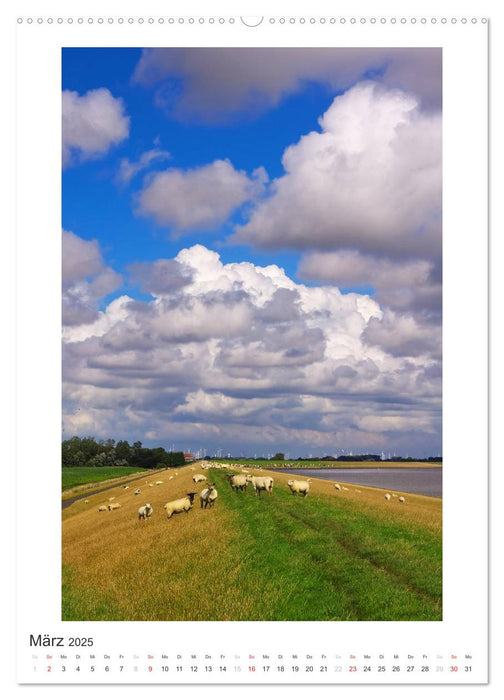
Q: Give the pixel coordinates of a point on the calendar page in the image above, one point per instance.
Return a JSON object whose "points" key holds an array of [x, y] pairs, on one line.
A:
{"points": [[252, 347]]}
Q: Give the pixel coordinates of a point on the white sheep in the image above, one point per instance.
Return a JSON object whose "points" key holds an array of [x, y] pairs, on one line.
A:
{"points": [[126, 487], [114, 506], [262, 483], [238, 481], [387, 496], [300, 487], [208, 496], [158, 483], [151, 484], [112, 498], [86, 501], [145, 511], [401, 499], [102, 508], [170, 478], [137, 492], [198, 477], [337, 487], [181, 505], [344, 488]]}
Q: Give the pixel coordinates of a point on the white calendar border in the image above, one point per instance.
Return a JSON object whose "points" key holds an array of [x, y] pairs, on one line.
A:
{"points": [[453, 188]]}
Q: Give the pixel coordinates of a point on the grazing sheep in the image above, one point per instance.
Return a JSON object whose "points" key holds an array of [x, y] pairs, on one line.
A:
{"points": [[262, 483], [86, 501], [112, 498], [181, 505], [158, 483], [198, 477], [238, 481], [345, 488], [299, 487], [145, 511], [102, 508], [394, 495], [208, 496], [387, 496], [151, 484], [137, 492], [337, 487], [114, 506], [401, 499], [126, 487]]}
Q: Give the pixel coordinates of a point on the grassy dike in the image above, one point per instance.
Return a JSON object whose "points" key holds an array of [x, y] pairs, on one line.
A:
{"points": [[332, 556]]}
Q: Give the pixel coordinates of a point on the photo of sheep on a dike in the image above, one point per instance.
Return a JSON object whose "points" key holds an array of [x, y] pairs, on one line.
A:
{"points": [[251, 309], [201, 546]]}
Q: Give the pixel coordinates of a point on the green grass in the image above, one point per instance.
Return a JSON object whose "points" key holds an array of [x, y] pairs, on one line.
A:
{"points": [[327, 557], [322, 559], [76, 476]]}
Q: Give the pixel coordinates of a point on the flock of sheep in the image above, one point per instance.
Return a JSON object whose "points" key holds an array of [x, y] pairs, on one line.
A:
{"points": [[208, 495]]}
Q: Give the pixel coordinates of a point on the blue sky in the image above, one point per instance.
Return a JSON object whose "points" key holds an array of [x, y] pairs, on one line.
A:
{"points": [[251, 248], [93, 202]]}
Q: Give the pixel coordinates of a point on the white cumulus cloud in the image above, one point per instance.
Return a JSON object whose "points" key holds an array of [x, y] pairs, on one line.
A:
{"points": [[85, 279], [199, 197], [243, 353], [370, 180], [91, 124]]}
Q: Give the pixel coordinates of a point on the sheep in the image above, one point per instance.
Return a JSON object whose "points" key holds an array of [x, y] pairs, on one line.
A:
{"points": [[401, 499], [170, 478], [102, 508], [112, 498], [198, 477], [387, 497], [358, 491], [137, 492], [151, 484], [158, 483], [126, 487], [300, 487], [86, 501], [145, 511], [238, 481], [114, 506], [208, 496], [337, 487], [181, 505], [262, 483], [394, 495], [345, 488]]}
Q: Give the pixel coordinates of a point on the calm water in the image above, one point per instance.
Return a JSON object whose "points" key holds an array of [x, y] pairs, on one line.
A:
{"points": [[428, 481]]}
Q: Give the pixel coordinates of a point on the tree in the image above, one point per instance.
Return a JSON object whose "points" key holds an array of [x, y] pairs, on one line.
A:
{"points": [[280, 456]]}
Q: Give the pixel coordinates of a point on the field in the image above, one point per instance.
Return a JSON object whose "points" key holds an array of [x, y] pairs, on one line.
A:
{"points": [[347, 555], [78, 476]]}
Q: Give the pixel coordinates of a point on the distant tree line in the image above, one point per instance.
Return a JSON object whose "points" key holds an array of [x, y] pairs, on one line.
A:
{"points": [[88, 452]]}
